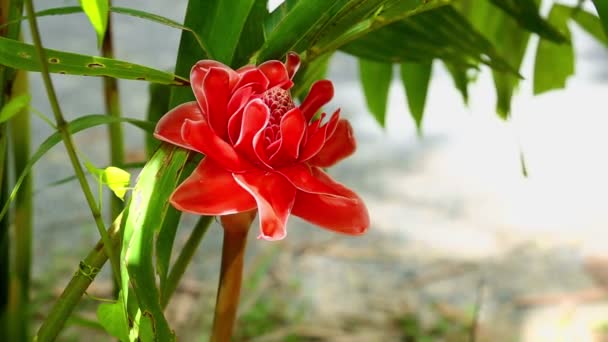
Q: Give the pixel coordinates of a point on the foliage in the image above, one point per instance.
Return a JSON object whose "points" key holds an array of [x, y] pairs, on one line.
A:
{"points": [[467, 36]]}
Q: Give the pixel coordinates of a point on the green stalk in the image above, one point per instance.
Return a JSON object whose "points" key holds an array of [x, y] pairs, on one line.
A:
{"points": [[184, 258], [62, 127], [112, 103], [9, 10], [23, 217], [83, 277], [4, 245], [236, 227]]}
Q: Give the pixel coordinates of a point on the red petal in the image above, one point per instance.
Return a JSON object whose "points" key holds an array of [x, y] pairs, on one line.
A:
{"points": [[301, 176], [169, 127], [255, 118], [211, 190], [235, 112], [274, 196], [216, 88], [315, 142], [339, 146], [255, 79], [344, 214], [292, 64], [275, 71], [202, 138], [198, 73], [293, 127], [320, 93]]}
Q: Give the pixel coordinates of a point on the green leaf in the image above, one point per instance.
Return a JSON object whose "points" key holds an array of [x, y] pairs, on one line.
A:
{"points": [[416, 77], [143, 217], [554, 63], [146, 328], [75, 126], [511, 40], [19, 55], [292, 22], [590, 23], [97, 12], [308, 74], [120, 10], [460, 78], [252, 36], [117, 180], [376, 81], [525, 12], [14, 106], [113, 318], [602, 10], [439, 33], [157, 107]]}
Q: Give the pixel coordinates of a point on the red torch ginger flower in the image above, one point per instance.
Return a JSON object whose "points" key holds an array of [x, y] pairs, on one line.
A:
{"points": [[262, 151]]}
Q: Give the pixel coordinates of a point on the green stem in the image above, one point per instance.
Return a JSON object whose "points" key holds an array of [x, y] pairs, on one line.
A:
{"points": [[184, 258], [62, 127], [22, 225], [74, 291], [112, 103], [236, 227]]}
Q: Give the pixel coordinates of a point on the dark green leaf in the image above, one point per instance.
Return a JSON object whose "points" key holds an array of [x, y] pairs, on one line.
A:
{"points": [[143, 217], [157, 107], [292, 22], [602, 9], [14, 106], [97, 12], [511, 40], [75, 126], [19, 55], [376, 80], [461, 80], [525, 12], [439, 33], [222, 24], [113, 318], [416, 77], [308, 74], [252, 36], [554, 62], [590, 23]]}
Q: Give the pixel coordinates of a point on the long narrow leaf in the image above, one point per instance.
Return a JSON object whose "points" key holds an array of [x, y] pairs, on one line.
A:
{"points": [[554, 63], [145, 213], [376, 80], [590, 23], [602, 9], [526, 13], [416, 77], [120, 10], [19, 55], [75, 126], [439, 33], [252, 36], [97, 12]]}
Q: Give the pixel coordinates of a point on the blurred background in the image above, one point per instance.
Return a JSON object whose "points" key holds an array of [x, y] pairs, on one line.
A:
{"points": [[460, 236]]}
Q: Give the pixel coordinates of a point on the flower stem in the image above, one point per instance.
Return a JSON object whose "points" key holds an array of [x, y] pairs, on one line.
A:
{"points": [[83, 277], [236, 227], [62, 127], [112, 104], [184, 258]]}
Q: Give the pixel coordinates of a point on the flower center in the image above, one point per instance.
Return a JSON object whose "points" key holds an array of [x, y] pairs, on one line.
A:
{"points": [[279, 102]]}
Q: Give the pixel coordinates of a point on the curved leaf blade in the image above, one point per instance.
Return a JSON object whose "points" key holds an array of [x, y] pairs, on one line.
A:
{"points": [[376, 81], [19, 55], [602, 9], [74, 126], [144, 215], [97, 12], [554, 63], [416, 78]]}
